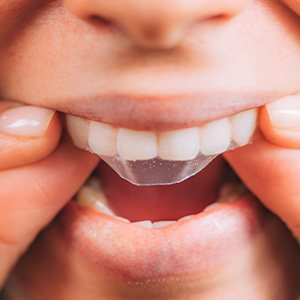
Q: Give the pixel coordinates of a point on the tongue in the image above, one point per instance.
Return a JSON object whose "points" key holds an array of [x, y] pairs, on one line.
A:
{"points": [[157, 203]]}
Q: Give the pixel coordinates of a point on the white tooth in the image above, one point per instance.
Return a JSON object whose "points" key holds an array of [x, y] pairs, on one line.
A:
{"points": [[103, 139], [143, 224], [230, 188], [211, 206], [122, 219], [95, 184], [179, 144], [231, 191], [99, 206], [185, 218], [161, 224], [88, 197], [243, 126], [78, 129], [137, 145], [215, 137]]}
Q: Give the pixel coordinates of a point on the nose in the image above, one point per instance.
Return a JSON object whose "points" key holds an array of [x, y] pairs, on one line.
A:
{"points": [[154, 23]]}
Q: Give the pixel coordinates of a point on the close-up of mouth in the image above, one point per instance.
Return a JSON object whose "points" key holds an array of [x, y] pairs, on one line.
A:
{"points": [[163, 204], [149, 150]]}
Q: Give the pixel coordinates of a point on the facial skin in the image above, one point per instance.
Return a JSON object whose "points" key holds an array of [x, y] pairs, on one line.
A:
{"points": [[97, 59]]}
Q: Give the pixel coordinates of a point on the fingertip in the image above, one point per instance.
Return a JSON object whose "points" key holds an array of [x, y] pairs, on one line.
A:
{"points": [[283, 137], [41, 147], [52, 135], [18, 150]]}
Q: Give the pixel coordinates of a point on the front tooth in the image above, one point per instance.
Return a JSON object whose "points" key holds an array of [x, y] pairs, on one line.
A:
{"points": [[136, 145], [215, 137], [231, 191], [102, 139], [212, 206], [78, 129], [143, 224], [122, 219], [161, 224], [243, 126], [185, 218], [179, 144], [88, 197]]}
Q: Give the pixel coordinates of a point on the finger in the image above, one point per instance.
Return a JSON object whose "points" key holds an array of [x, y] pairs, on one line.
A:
{"points": [[32, 195], [294, 5], [280, 122], [271, 167], [27, 134]]}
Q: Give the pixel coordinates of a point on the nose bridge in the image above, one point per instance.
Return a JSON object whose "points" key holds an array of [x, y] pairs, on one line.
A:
{"points": [[160, 23]]}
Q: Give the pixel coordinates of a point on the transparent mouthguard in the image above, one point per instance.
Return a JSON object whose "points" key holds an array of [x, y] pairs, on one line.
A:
{"points": [[123, 149], [158, 171]]}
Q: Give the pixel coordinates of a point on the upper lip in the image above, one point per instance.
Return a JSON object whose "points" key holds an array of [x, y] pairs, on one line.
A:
{"points": [[160, 112]]}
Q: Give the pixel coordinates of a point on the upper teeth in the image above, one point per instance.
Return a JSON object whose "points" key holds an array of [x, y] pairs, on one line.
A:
{"points": [[178, 145]]}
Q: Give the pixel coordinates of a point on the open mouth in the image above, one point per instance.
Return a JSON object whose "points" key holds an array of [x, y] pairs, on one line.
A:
{"points": [[188, 226]]}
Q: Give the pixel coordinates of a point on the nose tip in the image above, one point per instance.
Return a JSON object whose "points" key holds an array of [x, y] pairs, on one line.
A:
{"points": [[154, 23]]}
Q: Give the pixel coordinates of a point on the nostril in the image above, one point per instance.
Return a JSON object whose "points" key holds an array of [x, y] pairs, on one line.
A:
{"points": [[216, 18]]}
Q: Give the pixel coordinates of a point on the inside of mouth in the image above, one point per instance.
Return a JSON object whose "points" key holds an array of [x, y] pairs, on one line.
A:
{"points": [[160, 203], [160, 176]]}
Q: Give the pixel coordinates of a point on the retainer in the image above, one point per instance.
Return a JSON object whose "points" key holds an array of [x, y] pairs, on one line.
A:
{"points": [[162, 158], [157, 171]]}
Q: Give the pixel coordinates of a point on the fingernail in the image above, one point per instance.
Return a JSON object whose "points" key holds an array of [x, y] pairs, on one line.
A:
{"points": [[285, 113], [26, 121]]}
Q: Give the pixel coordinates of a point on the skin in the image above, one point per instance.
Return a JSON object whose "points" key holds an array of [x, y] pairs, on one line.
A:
{"points": [[51, 51]]}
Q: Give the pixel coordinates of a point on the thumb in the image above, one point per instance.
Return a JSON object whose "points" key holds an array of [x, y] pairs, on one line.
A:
{"points": [[271, 167], [294, 5], [27, 134]]}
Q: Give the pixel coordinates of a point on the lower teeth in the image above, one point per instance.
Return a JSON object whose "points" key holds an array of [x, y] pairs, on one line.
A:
{"points": [[92, 196]]}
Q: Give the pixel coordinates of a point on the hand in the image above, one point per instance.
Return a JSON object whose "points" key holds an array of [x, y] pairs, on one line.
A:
{"points": [[38, 175], [271, 167]]}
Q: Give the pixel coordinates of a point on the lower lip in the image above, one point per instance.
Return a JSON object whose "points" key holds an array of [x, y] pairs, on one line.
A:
{"points": [[199, 246]]}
